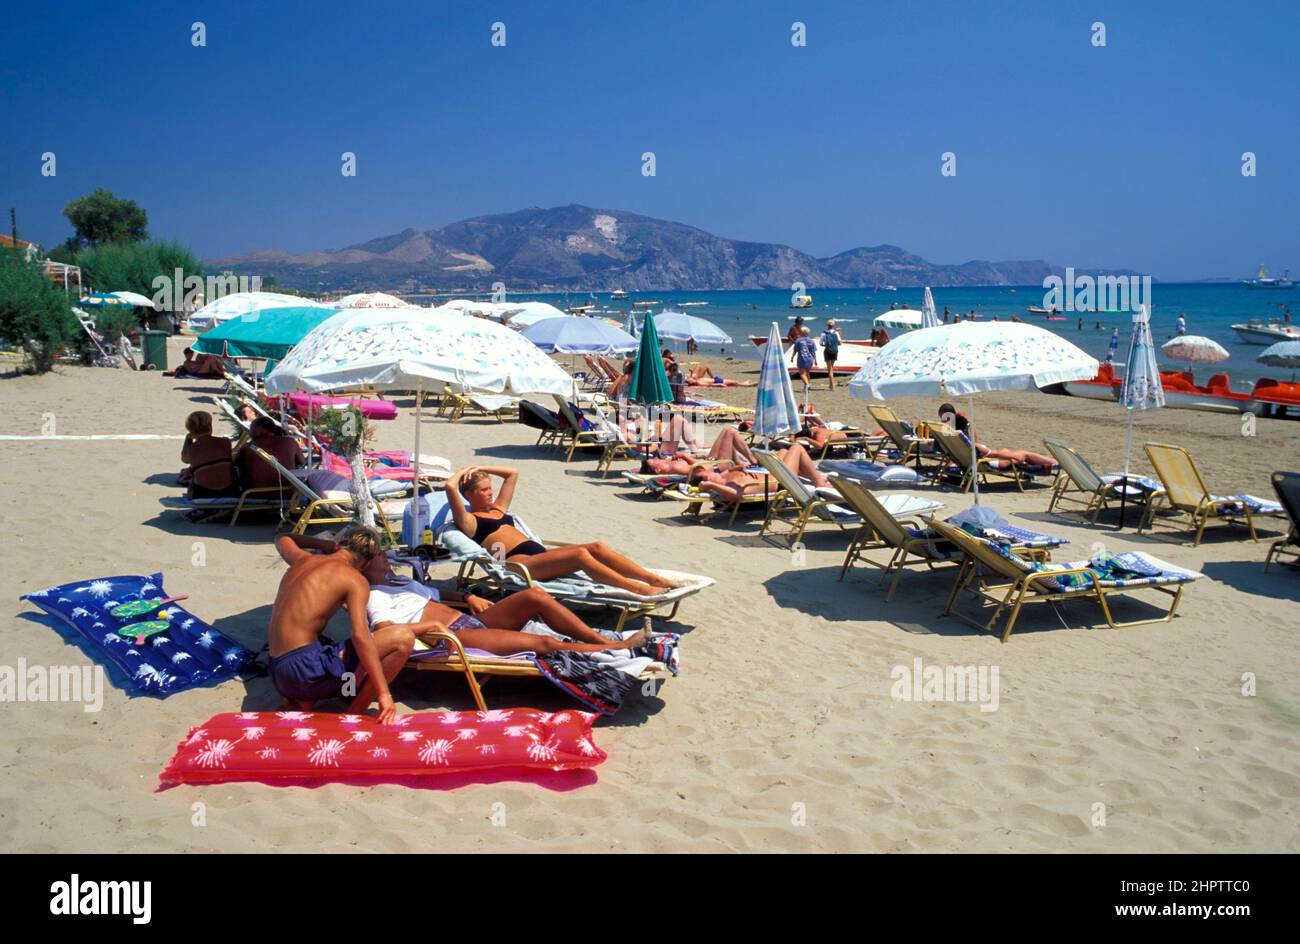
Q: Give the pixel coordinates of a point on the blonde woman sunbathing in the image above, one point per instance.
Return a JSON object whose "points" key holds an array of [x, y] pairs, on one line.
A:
{"points": [[487, 520], [492, 627]]}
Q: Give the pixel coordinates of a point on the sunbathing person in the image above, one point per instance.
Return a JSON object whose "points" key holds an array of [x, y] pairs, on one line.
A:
{"points": [[488, 521], [1020, 458], [303, 669], [735, 482], [492, 627], [198, 365], [210, 471], [255, 471], [700, 374]]}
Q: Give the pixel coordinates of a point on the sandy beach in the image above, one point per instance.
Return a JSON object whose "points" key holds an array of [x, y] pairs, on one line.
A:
{"points": [[780, 734]]}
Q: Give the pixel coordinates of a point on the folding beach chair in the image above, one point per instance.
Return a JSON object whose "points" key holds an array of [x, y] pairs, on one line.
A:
{"points": [[797, 503], [1077, 477], [961, 454], [602, 433], [910, 448], [307, 508], [1008, 582], [1287, 486], [1185, 493]]}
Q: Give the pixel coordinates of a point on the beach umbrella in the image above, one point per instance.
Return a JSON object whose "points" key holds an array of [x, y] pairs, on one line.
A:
{"points": [[649, 379], [570, 335], [404, 348], [266, 332], [679, 326], [630, 325], [1282, 354], [1113, 347], [241, 303], [103, 300], [969, 357], [134, 298], [369, 300], [1194, 349], [776, 411], [1141, 389], [929, 316]]}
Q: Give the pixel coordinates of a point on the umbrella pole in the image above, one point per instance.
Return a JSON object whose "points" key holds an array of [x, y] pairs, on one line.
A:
{"points": [[415, 462], [1123, 483], [974, 453]]}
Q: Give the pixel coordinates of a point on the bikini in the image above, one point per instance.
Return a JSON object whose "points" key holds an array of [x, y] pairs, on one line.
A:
{"points": [[486, 527]]}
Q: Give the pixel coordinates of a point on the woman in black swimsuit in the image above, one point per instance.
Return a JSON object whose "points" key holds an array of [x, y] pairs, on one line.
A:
{"points": [[488, 521]]}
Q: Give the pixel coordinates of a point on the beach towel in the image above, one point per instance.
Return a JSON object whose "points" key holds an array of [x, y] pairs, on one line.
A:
{"points": [[602, 680], [371, 409], [1114, 571], [303, 746], [872, 474], [188, 654]]}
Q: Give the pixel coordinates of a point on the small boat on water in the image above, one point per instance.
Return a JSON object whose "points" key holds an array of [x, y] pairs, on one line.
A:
{"points": [[645, 304], [617, 294], [1263, 280], [853, 356], [1035, 310], [1259, 332], [802, 300]]}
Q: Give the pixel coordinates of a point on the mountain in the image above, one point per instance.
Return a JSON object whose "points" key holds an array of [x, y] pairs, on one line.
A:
{"points": [[577, 247]]}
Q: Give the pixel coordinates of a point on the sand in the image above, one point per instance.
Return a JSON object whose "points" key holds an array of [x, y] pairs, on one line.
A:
{"points": [[780, 734]]}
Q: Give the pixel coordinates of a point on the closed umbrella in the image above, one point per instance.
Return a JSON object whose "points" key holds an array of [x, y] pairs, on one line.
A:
{"points": [[970, 357], [929, 316], [649, 379], [775, 412], [1141, 389], [1194, 349], [630, 325], [1113, 347]]}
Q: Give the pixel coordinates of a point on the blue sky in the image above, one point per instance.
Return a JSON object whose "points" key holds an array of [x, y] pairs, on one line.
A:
{"points": [[1123, 156]]}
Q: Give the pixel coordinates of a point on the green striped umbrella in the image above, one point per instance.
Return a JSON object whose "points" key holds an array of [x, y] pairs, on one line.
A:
{"points": [[649, 379], [267, 333]]}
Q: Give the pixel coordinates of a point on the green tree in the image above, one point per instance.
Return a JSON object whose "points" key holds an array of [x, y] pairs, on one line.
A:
{"points": [[132, 267], [35, 315], [101, 217]]}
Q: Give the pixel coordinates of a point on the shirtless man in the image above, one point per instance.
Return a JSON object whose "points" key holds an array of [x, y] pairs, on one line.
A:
{"points": [[304, 670]]}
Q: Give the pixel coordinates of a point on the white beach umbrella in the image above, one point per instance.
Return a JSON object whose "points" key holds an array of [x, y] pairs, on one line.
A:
{"points": [[929, 316], [134, 298], [775, 411], [570, 335], [970, 357], [237, 304], [1194, 349], [1282, 354], [679, 326], [404, 348], [370, 300]]}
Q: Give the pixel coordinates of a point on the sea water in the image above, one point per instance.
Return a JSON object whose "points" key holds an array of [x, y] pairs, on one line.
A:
{"points": [[1210, 310]]}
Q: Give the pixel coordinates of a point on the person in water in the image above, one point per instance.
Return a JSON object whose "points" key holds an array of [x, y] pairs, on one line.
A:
{"points": [[486, 519], [493, 627], [302, 668], [1006, 457]]}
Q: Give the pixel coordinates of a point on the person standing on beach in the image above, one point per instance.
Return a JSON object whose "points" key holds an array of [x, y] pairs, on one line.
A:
{"points": [[831, 349], [302, 668], [804, 353], [795, 329]]}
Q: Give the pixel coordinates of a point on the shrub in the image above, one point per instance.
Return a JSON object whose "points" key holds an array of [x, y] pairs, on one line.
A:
{"points": [[35, 315], [132, 267]]}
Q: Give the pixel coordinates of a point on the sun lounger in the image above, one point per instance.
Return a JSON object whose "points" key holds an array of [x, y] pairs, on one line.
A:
{"points": [[309, 508], [873, 475], [1185, 493], [909, 448], [478, 566], [695, 499], [1078, 478], [1007, 581], [960, 453], [1287, 486]]}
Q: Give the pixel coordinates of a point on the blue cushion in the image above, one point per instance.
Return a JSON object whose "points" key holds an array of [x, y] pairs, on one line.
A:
{"points": [[188, 655]]}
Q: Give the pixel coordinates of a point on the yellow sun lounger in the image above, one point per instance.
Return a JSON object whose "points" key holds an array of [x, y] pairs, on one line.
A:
{"points": [[1185, 493]]}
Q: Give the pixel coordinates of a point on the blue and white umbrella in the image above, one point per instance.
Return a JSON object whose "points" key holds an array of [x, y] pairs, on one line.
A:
{"points": [[970, 357], [775, 412], [1282, 354], [571, 335], [679, 326], [630, 325], [1141, 389], [1113, 347]]}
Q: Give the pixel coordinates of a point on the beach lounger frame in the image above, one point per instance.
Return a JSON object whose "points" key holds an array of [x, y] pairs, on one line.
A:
{"points": [[798, 504], [1077, 477], [696, 500], [307, 508], [960, 452], [998, 582], [1185, 493], [1287, 486], [910, 448]]}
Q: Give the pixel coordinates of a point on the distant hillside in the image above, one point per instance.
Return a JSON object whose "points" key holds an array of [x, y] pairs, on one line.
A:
{"points": [[576, 247]]}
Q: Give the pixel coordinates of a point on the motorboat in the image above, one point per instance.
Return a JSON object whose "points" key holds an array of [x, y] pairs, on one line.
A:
{"points": [[1104, 386], [1183, 393], [1260, 332], [1263, 280]]}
